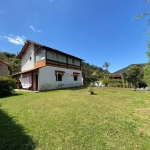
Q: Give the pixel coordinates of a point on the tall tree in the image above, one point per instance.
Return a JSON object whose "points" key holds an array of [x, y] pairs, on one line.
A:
{"points": [[147, 67], [133, 75], [106, 65]]}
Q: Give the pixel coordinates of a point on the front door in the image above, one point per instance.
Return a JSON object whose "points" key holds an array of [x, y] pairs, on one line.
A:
{"points": [[36, 81]]}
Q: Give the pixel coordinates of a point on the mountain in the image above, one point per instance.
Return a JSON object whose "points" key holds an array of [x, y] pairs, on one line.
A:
{"points": [[124, 69]]}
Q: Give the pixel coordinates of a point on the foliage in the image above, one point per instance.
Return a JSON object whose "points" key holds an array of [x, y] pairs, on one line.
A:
{"points": [[106, 65], [126, 68], [90, 73], [116, 83], [90, 90], [147, 73], [147, 67], [133, 75], [7, 86]]}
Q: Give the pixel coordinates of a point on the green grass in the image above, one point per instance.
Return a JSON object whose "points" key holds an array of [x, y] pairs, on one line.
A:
{"points": [[70, 119]]}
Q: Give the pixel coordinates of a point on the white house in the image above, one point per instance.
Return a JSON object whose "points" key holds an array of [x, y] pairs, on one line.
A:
{"points": [[44, 68]]}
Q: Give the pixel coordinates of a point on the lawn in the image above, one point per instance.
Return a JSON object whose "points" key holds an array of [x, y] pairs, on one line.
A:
{"points": [[70, 119]]}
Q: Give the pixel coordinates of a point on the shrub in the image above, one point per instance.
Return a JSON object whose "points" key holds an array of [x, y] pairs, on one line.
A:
{"points": [[115, 83], [90, 90], [7, 86]]}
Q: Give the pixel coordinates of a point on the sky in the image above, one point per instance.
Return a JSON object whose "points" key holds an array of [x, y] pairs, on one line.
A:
{"points": [[97, 31]]}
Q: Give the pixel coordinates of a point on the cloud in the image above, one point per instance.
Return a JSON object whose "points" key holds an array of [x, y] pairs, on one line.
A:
{"points": [[17, 40], [32, 28]]}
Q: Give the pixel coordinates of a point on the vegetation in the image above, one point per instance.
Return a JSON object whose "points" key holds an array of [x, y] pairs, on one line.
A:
{"points": [[126, 68], [147, 67], [106, 65], [116, 83], [92, 73], [112, 118], [7, 86], [133, 75]]}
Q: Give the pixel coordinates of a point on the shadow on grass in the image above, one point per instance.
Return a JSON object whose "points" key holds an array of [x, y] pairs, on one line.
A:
{"points": [[12, 135], [67, 88], [14, 94]]}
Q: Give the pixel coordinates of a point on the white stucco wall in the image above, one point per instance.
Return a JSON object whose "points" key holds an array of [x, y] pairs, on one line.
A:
{"points": [[26, 63], [47, 78]]}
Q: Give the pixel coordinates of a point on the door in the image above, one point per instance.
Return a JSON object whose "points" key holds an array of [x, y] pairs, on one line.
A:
{"points": [[36, 82]]}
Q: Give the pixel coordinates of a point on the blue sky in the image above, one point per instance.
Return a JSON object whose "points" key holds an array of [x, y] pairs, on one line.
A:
{"points": [[94, 30]]}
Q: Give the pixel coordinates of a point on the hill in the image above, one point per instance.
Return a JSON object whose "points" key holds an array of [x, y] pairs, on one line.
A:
{"points": [[124, 69]]}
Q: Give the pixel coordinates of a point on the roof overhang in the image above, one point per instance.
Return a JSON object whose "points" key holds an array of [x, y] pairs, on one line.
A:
{"points": [[1, 61], [24, 72], [24, 49]]}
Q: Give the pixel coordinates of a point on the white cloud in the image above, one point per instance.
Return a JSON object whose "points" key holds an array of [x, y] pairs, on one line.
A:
{"points": [[18, 40], [36, 30]]}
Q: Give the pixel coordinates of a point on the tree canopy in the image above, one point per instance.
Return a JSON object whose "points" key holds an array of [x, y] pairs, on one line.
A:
{"points": [[133, 75]]}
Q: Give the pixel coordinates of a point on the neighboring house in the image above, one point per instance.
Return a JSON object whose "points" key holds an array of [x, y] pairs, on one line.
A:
{"points": [[4, 68], [44, 68], [115, 76]]}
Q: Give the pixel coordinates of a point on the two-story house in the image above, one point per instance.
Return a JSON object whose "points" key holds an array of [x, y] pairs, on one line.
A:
{"points": [[44, 68]]}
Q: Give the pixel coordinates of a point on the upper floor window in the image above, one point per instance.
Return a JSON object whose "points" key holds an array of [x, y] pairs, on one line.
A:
{"points": [[70, 61], [56, 57], [39, 54], [76, 62]]}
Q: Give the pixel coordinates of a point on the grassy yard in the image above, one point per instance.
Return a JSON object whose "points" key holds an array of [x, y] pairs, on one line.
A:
{"points": [[112, 119]]}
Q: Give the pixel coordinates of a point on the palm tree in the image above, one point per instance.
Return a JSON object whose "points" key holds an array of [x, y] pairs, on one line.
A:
{"points": [[106, 65]]}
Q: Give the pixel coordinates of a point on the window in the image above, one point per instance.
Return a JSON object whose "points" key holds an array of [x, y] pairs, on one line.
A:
{"points": [[40, 55], [70, 61], [62, 58], [75, 78], [58, 77], [76, 62]]}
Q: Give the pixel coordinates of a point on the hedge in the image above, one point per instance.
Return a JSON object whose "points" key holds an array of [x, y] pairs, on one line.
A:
{"points": [[7, 86], [115, 82]]}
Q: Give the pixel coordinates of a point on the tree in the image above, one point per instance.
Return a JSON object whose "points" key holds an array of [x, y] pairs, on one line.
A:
{"points": [[106, 65], [147, 67], [133, 75]]}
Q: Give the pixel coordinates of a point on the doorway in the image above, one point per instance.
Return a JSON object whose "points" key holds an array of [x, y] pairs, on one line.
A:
{"points": [[36, 82]]}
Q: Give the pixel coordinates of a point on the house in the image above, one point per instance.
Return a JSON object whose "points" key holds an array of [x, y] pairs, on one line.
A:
{"points": [[44, 68], [4, 68], [115, 76]]}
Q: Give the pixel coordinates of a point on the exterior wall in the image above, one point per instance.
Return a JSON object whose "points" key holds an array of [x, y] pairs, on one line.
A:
{"points": [[40, 63], [3, 69], [26, 63], [47, 78]]}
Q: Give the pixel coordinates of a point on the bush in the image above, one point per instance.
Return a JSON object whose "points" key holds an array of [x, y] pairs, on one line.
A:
{"points": [[7, 86], [115, 83], [90, 90]]}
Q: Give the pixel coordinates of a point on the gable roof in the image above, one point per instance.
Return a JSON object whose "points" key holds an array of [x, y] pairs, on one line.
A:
{"points": [[115, 75], [24, 48], [1, 61]]}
